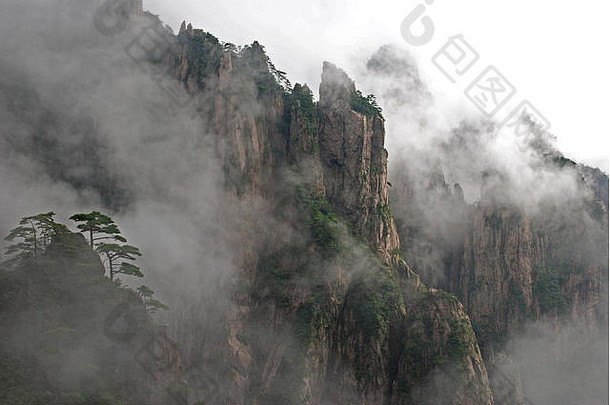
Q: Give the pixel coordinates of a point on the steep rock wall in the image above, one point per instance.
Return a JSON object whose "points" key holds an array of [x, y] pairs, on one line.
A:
{"points": [[339, 337]]}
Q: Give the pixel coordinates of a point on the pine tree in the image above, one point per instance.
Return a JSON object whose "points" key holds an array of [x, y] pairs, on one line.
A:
{"points": [[35, 234], [98, 226]]}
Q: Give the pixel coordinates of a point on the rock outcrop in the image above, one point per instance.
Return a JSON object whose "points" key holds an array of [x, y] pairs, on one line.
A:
{"points": [[355, 163], [348, 333], [342, 291], [440, 361], [512, 267]]}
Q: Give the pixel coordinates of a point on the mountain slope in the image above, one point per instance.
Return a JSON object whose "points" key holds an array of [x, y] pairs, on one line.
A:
{"points": [[294, 271], [70, 336]]}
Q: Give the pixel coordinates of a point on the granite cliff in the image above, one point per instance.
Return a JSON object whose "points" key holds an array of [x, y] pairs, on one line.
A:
{"points": [[320, 275]]}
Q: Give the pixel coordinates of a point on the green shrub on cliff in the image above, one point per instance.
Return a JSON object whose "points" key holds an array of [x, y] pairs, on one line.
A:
{"points": [[366, 105], [302, 101], [547, 290], [31, 237]]}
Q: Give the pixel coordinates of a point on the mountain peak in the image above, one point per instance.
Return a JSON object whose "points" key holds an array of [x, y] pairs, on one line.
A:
{"points": [[336, 85]]}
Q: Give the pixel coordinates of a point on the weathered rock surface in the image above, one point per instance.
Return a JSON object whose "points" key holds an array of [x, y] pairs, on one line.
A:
{"points": [[342, 336], [355, 163], [511, 267]]}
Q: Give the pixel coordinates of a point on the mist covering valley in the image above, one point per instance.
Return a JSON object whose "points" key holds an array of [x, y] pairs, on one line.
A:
{"points": [[348, 249]]}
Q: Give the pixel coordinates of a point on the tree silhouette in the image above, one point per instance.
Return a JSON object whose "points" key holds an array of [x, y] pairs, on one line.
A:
{"points": [[114, 254], [35, 233], [99, 227], [152, 304]]}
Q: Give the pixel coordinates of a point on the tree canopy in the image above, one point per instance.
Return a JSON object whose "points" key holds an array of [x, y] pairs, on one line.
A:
{"points": [[102, 228], [32, 236], [114, 256], [34, 233], [152, 304], [98, 226]]}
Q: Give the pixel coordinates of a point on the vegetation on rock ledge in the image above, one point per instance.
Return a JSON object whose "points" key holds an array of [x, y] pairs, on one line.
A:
{"points": [[366, 105]]}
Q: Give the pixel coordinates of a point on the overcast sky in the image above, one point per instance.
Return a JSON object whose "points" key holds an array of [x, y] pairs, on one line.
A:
{"points": [[554, 53]]}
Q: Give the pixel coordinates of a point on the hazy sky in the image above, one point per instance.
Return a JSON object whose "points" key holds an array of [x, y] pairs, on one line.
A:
{"points": [[554, 53]]}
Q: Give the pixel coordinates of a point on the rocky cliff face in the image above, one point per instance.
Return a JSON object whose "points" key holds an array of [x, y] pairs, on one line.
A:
{"points": [[241, 102], [512, 267], [349, 332], [526, 252], [355, 163], [495, 273], [327, 304], [441, 362], [511, 261]]}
